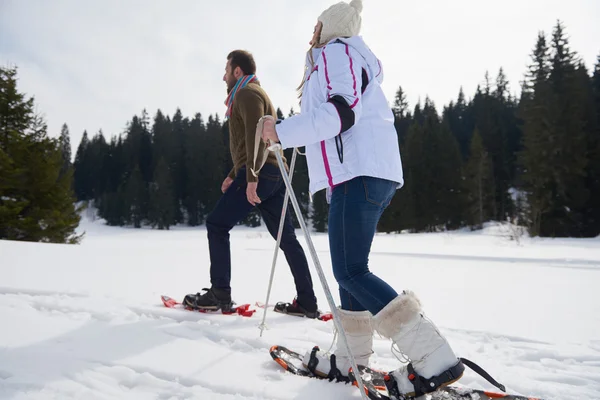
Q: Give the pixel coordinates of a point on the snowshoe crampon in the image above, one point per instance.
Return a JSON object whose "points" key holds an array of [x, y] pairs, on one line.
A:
{"points": [[242, 310], [290, 361]]}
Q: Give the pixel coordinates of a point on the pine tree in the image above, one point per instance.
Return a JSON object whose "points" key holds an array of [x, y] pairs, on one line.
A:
{"points": [[422, 158], [485, 124], [478, 184], [161, 138], [176, 161], [196, 148], [15, 116], [402, 117], [565, 216], [82, 178], [215, 154], [494, 116], [36, 201], [449, 177], [596, 92], [539, 140], [406, 209], [10, 207], [505, 111], [431, 198], [65, 146], [418, 115], [439, 197], [501, 91], [51, 215], [117, 163], [16, 112], [136, 198], [555, 139], [145, 161], [400, 104], [457, 117], [591, 213], [162, 197], [96, 162]]}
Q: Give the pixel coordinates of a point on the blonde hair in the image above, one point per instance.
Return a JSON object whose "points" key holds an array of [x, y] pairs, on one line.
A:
{"points": [[305, 75], [300, 87]]}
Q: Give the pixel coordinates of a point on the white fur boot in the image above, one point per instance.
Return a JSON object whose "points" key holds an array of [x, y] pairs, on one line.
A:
{"points": [[358, 328], [419, 339]]}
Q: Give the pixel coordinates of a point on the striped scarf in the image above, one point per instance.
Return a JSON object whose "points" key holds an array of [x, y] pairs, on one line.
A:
{"points": [[242, 82]]}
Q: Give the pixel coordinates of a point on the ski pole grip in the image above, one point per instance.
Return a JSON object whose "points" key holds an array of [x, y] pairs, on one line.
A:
{"points": [[274, 146], [271, 146]]}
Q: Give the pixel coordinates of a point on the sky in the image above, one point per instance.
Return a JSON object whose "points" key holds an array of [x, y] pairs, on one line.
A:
{"points": [[96, 64]]}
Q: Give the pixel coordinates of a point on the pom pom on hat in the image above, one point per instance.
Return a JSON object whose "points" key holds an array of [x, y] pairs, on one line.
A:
{"points": [[357, 4], [341, 20]]}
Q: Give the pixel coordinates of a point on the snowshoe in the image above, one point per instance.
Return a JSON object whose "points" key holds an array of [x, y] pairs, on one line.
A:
{"points": [[380, 385], [213, 299], [296, 309]]}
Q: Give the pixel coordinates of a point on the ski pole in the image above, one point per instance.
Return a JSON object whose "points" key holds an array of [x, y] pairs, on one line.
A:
{"points": [[276, 148], [262, 326]]}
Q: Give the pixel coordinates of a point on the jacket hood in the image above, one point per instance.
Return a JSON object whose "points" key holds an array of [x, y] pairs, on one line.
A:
{"points": [[357, 43], [373, 63]]}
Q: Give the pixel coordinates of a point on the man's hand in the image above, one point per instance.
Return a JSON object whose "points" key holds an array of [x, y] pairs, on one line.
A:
{"points": [[226, 183], [269, 132], [251, 193]]}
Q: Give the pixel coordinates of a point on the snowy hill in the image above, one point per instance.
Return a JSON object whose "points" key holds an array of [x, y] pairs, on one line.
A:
{"points": [[86, 322]]}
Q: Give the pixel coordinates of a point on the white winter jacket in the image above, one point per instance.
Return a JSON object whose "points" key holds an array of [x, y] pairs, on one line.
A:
{"points": [[345, 122]]}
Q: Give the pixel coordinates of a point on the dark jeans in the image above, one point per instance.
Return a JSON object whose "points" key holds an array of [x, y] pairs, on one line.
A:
{"points": [[354, 212], [234, 207]]}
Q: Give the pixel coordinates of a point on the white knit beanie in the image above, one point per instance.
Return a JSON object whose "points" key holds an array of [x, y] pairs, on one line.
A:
{"points": [[340, 20]]}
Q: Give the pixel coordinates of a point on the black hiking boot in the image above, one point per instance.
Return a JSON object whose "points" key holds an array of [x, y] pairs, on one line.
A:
{"points": [[213, 299], [296, 309]]}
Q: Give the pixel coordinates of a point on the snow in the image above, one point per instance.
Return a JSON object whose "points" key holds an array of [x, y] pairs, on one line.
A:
{"points": [[86, 322]]}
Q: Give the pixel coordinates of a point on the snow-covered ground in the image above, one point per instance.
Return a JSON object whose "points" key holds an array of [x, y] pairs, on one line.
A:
{"points": [[86, 322]]}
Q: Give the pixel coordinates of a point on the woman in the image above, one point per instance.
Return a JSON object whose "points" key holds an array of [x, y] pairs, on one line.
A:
{"points": [[352, 151]]}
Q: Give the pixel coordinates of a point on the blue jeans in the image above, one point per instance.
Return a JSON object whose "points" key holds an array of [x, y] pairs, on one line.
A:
{"points": [[354, 212], [233, 207]]}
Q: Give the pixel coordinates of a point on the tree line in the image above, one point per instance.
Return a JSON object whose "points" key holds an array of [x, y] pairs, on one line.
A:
{"points": [[533, 160]]}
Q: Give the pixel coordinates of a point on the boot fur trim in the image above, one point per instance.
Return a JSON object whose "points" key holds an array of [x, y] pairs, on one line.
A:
{"points": [[396, 313], [356, 322]]}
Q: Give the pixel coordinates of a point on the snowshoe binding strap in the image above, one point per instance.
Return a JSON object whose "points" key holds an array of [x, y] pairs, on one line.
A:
{"points": [[334, 372], [476, 368], [423, 385], [226, 306], [295, 309], [282, 307]]}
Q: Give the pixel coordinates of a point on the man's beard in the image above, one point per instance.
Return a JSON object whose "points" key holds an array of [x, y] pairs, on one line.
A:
{"points": [[231, 81]]}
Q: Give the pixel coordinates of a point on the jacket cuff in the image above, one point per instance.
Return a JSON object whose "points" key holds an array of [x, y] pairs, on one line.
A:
{"points": [[250, 178], [283, 133], [232, 173]]}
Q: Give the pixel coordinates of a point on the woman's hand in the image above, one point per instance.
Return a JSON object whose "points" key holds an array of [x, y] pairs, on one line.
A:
{"points": [[268, 132]]}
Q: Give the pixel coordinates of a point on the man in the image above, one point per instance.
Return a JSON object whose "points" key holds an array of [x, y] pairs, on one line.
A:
{"points": [[242, 190]]}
